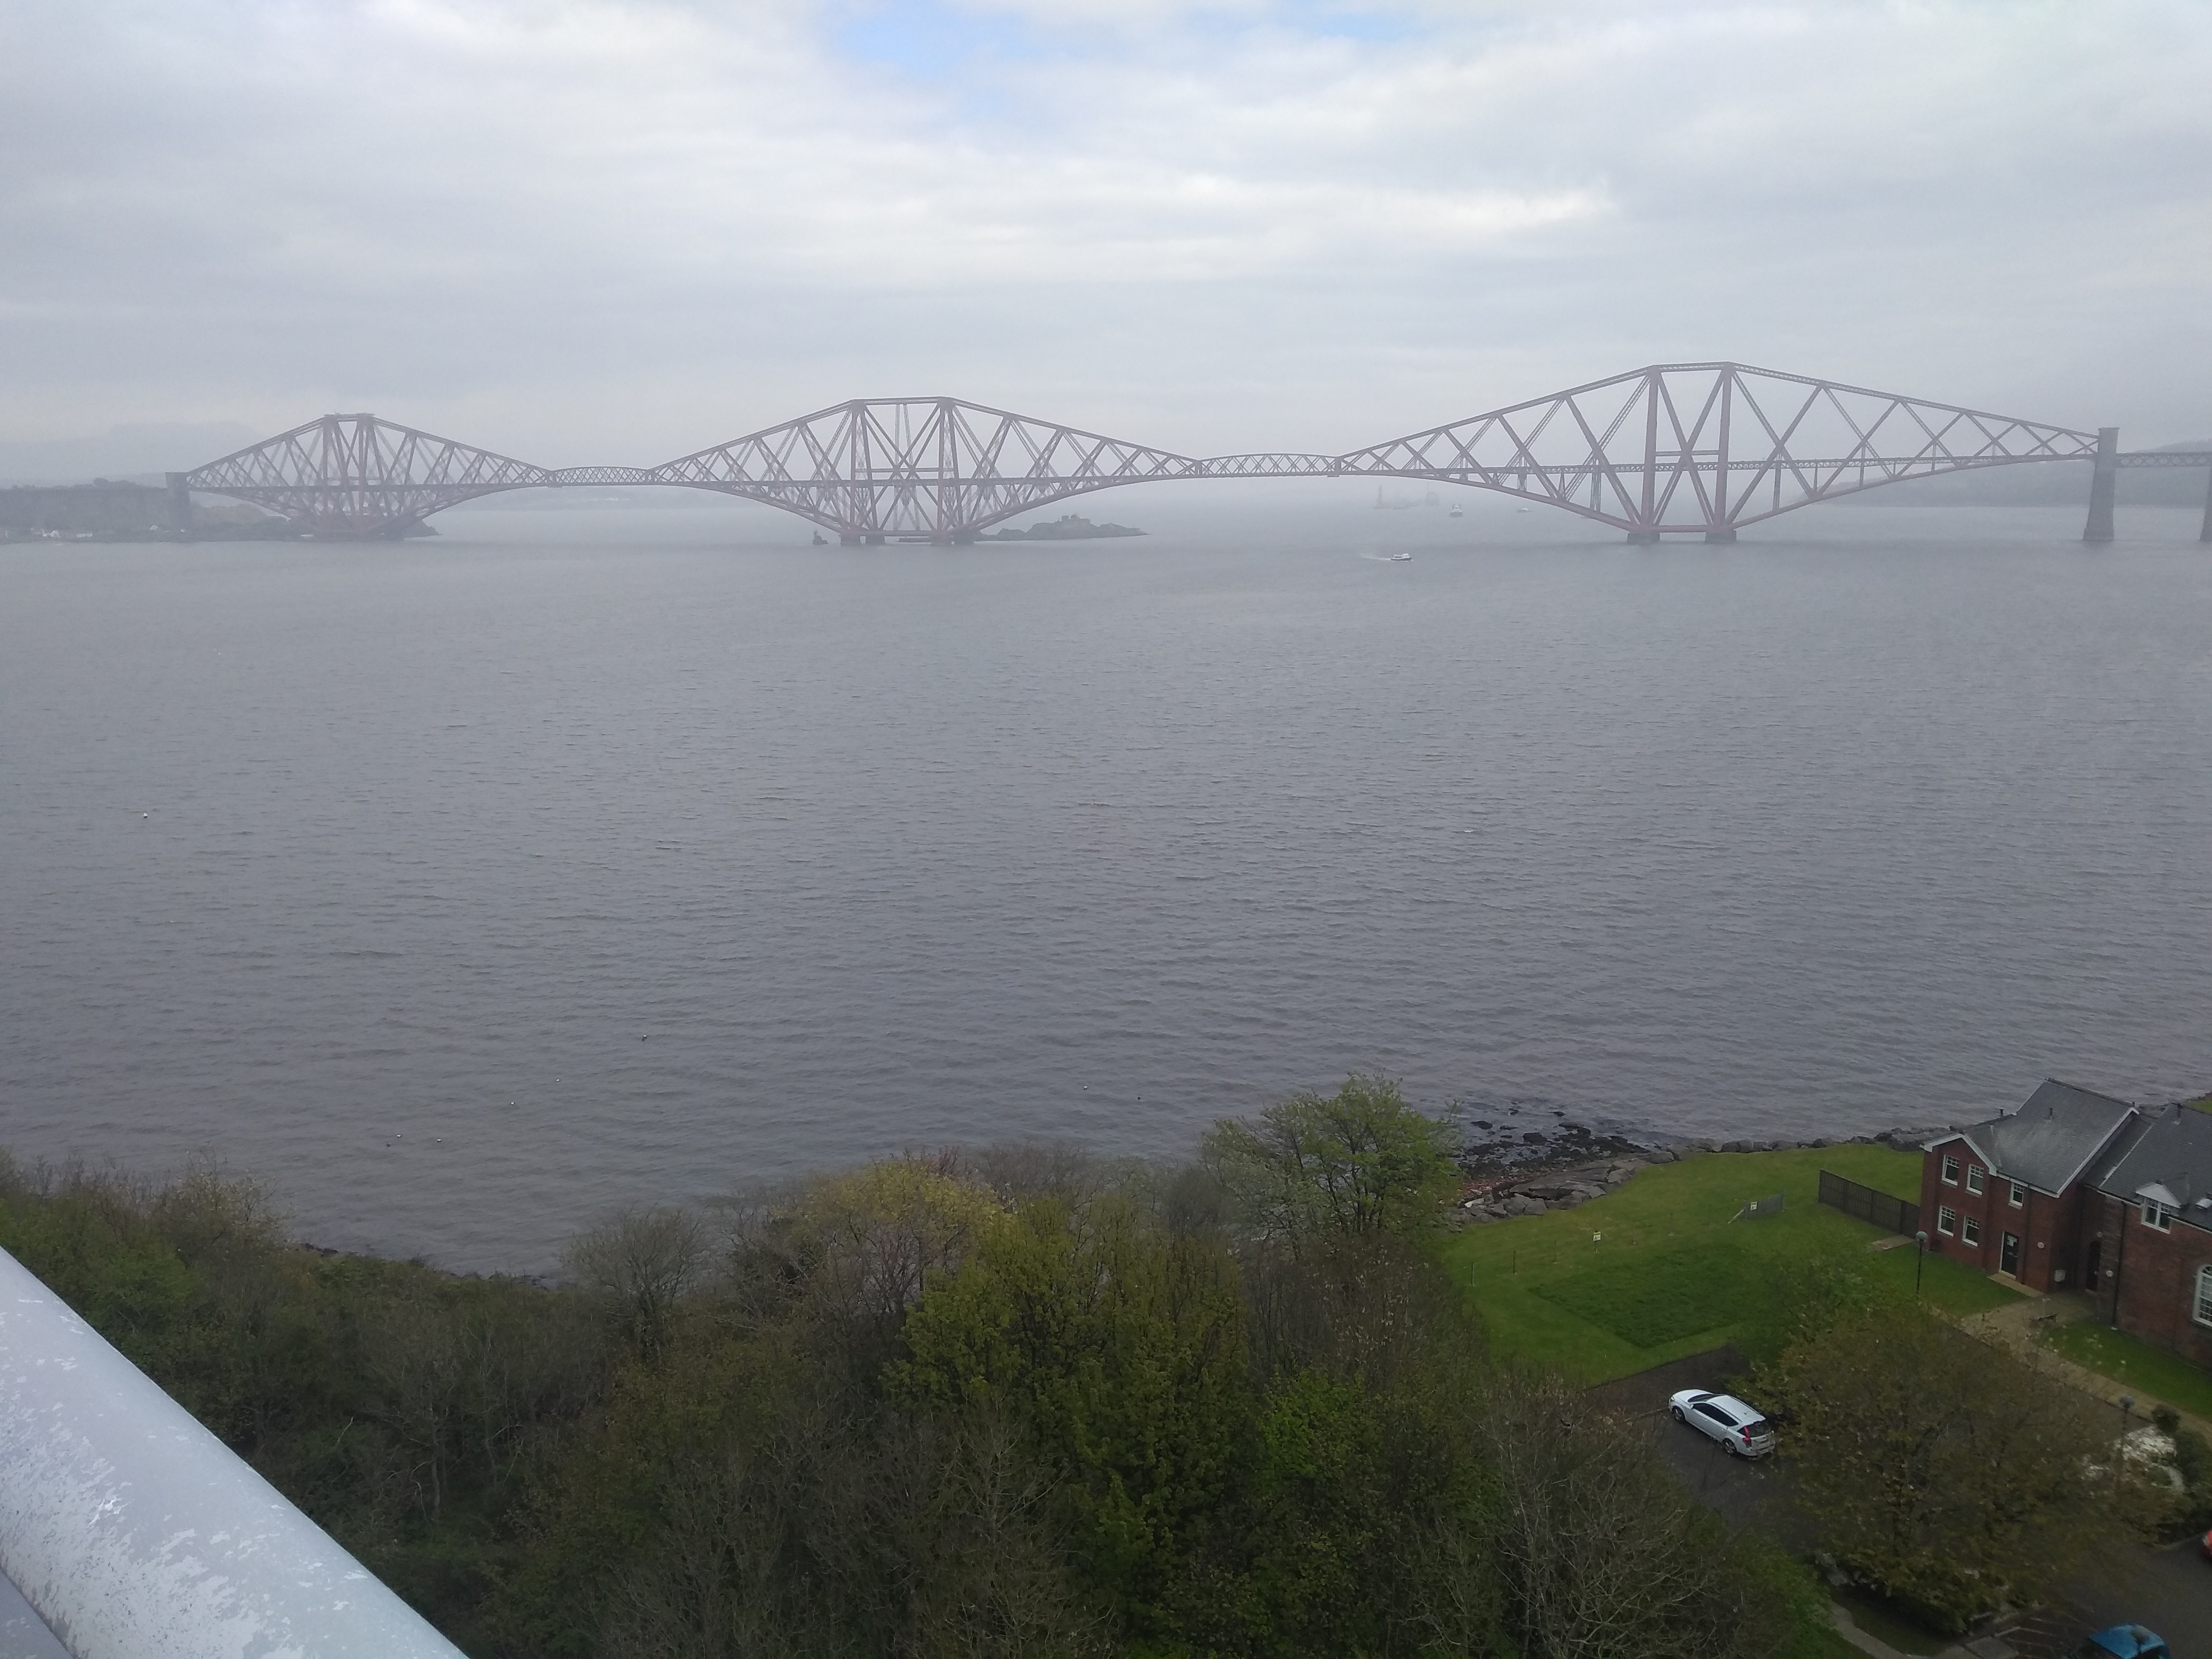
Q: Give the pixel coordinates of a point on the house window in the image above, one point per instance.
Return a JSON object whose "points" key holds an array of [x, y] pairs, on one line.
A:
{"points": [[1970, 1231], [2157, 1215], [1950, 1171], [1973, 1177], [2018, 1195], [2205, 1294], [1945, 1221]]}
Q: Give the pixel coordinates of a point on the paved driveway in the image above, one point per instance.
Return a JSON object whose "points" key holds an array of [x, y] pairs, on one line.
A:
{"points": [[1744, 1491], [2170, 1590]]}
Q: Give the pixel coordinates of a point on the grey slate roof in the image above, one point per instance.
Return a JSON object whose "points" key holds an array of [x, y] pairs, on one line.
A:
{"points": [[2172, 1150], [2052, 1138]]}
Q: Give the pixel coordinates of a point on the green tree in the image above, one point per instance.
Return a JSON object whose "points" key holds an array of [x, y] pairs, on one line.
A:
{"points": [[1603, 1552], [861, 1247], [1360, 1521], [641, 1262], [1317, 1518], [1943, 1471], [1358, 1161], [1123, 1350]]}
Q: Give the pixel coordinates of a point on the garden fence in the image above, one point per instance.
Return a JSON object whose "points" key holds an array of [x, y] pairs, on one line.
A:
{"points": [[1885, 1210]]}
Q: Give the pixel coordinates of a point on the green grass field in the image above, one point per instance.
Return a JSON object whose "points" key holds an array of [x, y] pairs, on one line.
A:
{"points": [[2153, 1373], [1650, 1300], [1658, 1270], [1885, 1624]]}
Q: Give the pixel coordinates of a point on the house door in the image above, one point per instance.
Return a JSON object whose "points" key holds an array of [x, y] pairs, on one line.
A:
{"points": [[2008, 1255], [2090, 1266]]}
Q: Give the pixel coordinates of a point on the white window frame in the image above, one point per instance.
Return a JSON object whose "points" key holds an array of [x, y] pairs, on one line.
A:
{"points": [[1950, 1171], [2018, 1197], [2205, 1294], [1945, 1221], [1970, 1230], [1974, 1173], [2158, 1216]]}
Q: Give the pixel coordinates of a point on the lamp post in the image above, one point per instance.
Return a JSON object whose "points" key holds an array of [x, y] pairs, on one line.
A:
{"points": [[1919, 1256]]}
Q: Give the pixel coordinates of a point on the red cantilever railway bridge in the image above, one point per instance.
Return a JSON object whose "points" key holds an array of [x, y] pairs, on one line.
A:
{"points": [[1675, 449]]}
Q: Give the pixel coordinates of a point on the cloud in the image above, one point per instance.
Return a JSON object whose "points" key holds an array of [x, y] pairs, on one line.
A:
{"points": [[615, 228]]}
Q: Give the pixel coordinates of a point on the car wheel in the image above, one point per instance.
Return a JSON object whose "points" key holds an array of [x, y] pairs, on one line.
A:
{"points": [[1733, 1451], [1680, 1417]]}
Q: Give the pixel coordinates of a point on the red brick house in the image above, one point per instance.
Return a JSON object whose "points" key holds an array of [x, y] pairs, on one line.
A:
{"points": [[2079, 1190], [2148, 1233], [2006, 1195]]}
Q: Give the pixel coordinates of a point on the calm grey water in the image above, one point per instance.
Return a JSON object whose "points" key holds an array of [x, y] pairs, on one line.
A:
{"points": [[464, 888]]}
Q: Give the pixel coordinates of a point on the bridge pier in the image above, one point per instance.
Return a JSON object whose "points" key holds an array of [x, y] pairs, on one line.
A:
{"points": [[1644, 538], [2099, 530], [2205, 535], [1713, 537]]}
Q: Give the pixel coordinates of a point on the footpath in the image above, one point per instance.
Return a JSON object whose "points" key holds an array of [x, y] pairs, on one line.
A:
{"points": [[2019, 1327]]}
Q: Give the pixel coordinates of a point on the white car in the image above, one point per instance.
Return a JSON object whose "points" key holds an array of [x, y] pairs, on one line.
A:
{"points": [[1737, 1427]]}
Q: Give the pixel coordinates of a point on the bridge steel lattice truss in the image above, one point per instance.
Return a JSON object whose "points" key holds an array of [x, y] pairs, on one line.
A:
{"points": [[1675, 449]]}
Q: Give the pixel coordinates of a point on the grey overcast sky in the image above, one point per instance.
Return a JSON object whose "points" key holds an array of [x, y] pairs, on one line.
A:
{"points": [[619, 230]]}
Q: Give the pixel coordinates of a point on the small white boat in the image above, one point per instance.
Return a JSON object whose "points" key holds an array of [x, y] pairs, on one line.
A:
{"points": [[1401, 558], [1458, 512]]}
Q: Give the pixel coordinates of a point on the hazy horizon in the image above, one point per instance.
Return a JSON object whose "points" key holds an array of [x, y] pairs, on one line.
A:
{"points": [[618, 230]]}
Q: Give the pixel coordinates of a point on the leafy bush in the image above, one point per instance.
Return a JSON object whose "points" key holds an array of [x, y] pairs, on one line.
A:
{"points": [[1944, 1472]]}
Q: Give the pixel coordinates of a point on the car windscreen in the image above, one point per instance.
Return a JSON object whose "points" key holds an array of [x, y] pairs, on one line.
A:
{"points": [[1757, 1425]]}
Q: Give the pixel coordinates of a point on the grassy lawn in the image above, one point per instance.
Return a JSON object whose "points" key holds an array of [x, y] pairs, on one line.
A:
{"points": [[1825, 1644], [2153, 1373], [1886, 1623], [1672, 1274]]}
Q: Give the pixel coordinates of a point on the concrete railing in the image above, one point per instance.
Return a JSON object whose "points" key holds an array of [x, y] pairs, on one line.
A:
{"points": [[138, 1535]]}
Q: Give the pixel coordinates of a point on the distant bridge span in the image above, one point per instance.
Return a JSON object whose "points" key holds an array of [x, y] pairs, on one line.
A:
{"points": [[1674, 449]]}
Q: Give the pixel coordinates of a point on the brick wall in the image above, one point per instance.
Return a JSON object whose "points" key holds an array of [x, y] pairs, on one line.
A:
{"points": [[2058, 1230], [1935, 1198], [1982, 1207], [2149, 1277], [2049, 1228]]}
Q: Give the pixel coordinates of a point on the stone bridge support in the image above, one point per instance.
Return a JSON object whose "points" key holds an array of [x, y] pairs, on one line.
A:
{"points": [[2099, 527]]}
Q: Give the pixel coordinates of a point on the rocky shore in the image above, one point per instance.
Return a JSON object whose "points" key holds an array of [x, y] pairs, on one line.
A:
{"points": [[1508, 1172]]}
